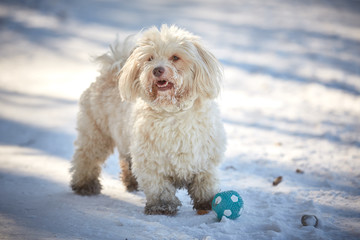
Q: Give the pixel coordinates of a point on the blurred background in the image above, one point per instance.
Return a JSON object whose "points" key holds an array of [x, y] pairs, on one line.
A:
{"points": [[276, 54]]}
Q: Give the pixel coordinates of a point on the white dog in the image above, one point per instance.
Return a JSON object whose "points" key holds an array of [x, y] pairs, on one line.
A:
{"points": [[154, 101]]}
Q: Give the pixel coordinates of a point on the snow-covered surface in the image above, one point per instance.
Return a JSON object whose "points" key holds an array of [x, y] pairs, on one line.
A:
{"points": [[291, 100]]}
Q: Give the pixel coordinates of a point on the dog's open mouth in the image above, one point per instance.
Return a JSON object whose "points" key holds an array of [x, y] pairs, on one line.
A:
{"points": [[164, 85]]}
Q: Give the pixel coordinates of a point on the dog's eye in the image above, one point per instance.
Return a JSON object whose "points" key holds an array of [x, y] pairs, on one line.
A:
{"points": [[175, 58], [150, 58]]}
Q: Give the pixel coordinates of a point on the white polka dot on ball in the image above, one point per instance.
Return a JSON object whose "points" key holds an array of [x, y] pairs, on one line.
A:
{"points": [[234, 198], [227, 212], [218, 200]]}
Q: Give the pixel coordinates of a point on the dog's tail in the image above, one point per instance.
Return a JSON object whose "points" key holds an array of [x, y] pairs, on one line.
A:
{"points": [[112, 61]]}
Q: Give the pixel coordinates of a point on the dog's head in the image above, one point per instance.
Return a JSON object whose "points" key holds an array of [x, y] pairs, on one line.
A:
{"points": [[169, 69]]}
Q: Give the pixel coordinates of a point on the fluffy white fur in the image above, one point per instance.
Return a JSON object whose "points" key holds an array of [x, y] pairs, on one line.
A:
{"points": [[164, 122]]}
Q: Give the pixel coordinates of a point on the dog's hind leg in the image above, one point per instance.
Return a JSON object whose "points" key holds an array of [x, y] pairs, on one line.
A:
{"points": [[127, 176], [92, 148]]}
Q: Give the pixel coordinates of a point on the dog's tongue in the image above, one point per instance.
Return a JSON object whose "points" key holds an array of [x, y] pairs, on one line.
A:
{"points": [[164, 85]]}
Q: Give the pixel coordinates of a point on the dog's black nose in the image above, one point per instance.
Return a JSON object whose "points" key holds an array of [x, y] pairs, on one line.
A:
{"points": [[158, 71]]}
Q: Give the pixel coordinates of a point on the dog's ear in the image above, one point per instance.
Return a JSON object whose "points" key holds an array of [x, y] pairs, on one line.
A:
{"points": [[208, 73], [128, 79]]}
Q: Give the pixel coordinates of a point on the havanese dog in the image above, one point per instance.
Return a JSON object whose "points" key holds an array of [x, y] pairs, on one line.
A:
{"points": [[154, 102]]}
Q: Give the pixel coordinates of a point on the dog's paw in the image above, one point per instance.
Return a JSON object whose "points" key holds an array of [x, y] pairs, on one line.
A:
{"points": [[169, 209], [132, 187], [202, 212], [203, 206], [130, 183], [92, 187]]}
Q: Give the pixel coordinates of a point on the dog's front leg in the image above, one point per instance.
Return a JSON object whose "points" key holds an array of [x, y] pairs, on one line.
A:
{"points": [[160, 195], [202, 189]]}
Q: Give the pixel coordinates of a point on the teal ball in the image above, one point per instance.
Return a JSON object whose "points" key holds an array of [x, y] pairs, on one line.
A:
{"points": [[228, 204]]}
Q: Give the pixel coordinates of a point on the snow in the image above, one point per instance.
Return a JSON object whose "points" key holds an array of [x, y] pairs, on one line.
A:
{"points": [[291, 100]]}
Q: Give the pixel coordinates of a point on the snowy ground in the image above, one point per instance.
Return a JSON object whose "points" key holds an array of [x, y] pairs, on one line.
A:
{"points": [[291, 100]]}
